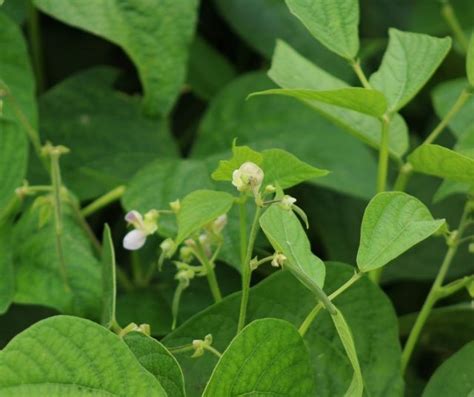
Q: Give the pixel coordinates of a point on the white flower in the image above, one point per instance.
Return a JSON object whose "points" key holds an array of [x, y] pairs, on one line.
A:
{"points": [[287, 202], [248, 177], [143, 227]]}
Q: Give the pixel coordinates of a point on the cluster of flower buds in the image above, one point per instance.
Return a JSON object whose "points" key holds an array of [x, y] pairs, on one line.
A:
{"points": [[143, 226], [278, 259], [200, 345], [133, 327]]}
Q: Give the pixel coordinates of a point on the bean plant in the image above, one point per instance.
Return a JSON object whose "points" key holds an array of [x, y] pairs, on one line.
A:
{"points": [[135, 262]]}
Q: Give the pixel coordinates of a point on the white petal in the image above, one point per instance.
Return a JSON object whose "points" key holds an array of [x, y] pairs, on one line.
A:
{"points": [[133, 217], [134, 240]]}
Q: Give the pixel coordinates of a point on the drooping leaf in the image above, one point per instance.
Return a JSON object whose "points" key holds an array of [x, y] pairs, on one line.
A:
{"points": [[109, 138], [393, 222], [334, 23], [7, 281], [285, 170], [109, 292], [470, 62], [444, 163], [291, 71], [356, 387], [37, 265], [208, 70], [367, 311], [278, 122], [287, 236], [155, 35], [240, 155], [70, 356], [409, 62], [370, 102], [455, 377], [268, 357], [200, 208], [157, 360]]}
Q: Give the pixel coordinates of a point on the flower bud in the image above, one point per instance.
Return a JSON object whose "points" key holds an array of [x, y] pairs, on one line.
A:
{"points": [[248, 177], [168, 247], [287, 202], [186, 254], [270, 189], [219, 224], [175, 206], [278, 260]]}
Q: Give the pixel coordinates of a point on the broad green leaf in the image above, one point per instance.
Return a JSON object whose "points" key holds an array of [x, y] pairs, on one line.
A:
{"points": [[455, 377], [287, 236], [443, 162], [155, 35], [109, 138], [291, 71], [356, 387], [279, 122], [38, 279], [16, 9], [260, 23], [109, 292], [200, 208], [268, 357], [361, 100], [409, 62], [157, 360], [470, 62], [208, 70], [444, 97], [240, 155], [13, 159], [70, 356], [7, 280], [393, 222], [367, 310], [285, 170], [334, 23]]}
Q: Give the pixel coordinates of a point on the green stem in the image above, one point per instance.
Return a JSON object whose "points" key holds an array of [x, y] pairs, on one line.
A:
{"points": [[243, 229], [451, 19], [181, 349], [175, 304], [403, 177], [210, 273], [85, 226], [315, 311], [457, 106], [103, 201], [360, 74], [383, 156], [435, 292], [213, 351], [34, 34], [246, 271]]}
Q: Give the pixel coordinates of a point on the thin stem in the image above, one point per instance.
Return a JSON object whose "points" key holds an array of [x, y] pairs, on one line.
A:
{"points": [[103, 201], [360, 74], [181, 349], [383, 156], [403, 177], [243, 230], [210, 273], [34, 34], [315, 311], [175, 304], [457, 106], [85, 226], [451, 19], [435, 292], [213, 351], [246, 271]]}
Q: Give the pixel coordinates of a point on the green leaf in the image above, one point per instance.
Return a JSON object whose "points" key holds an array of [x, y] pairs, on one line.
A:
{"points": [[291, 71], [279, 122], [393, 222], [367, 310], [268, 357], [443, 162], [109, 292], [156, 37], [69, 356], [334, 23], [287, 236], [361, 100], [409, 62], [470, 62], [7, 282], [200, 208], [285, 170], [444, 97], [240, 155], [13, 159], [356, 387], [455, 377], [208, 70], [38, 279], [109, 138], [155, 358]]}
